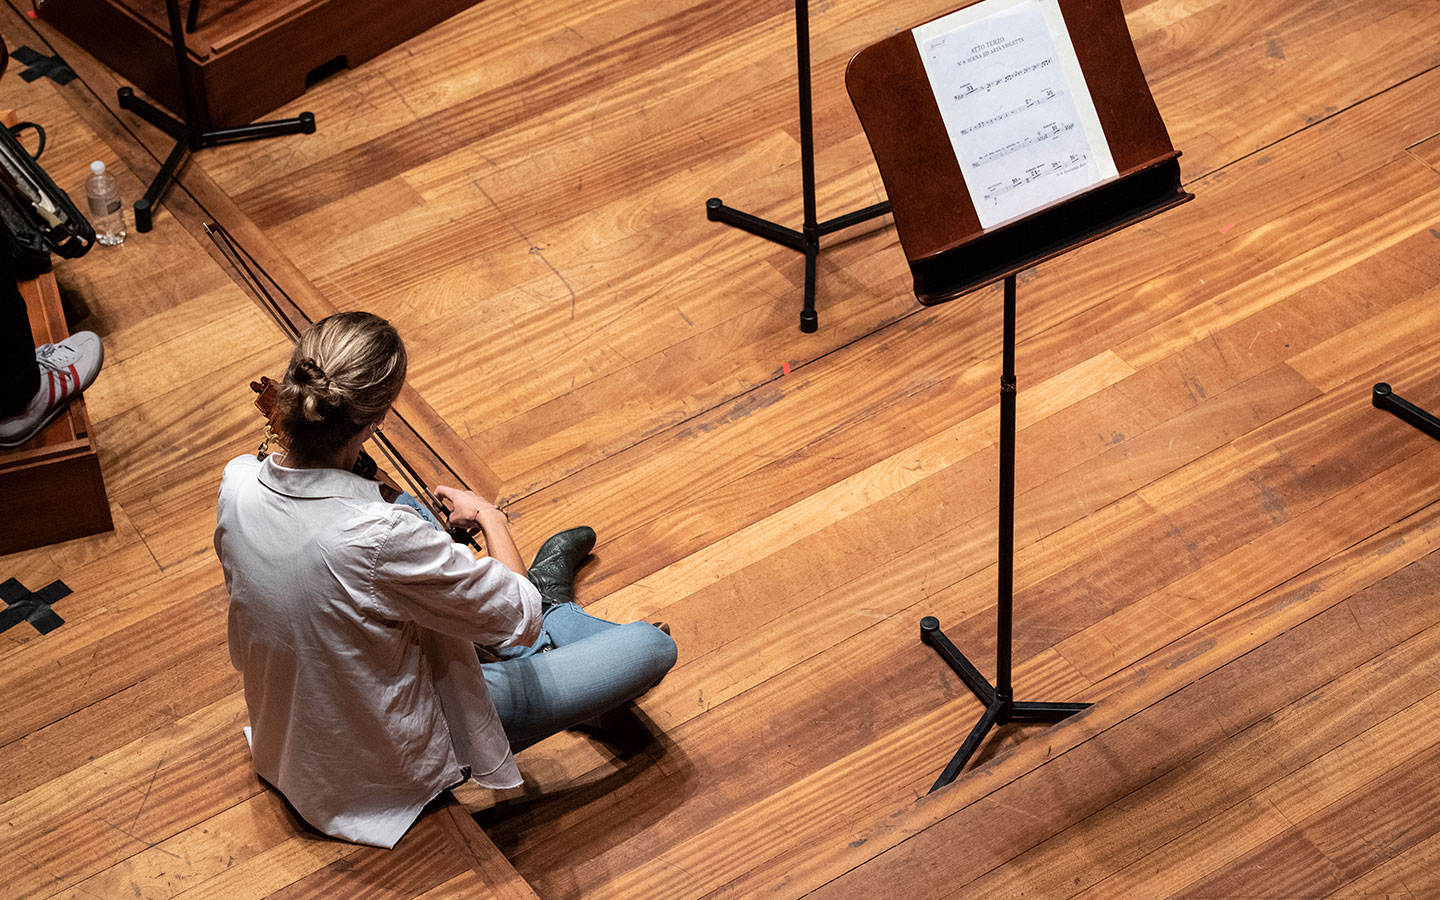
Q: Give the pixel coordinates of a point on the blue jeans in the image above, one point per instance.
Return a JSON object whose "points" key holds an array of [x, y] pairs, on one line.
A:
{"points": [[578, 668], [406, 500]]}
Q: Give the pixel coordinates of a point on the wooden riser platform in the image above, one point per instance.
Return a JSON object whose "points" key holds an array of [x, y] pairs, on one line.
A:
{"points": [[247, 56], [59, 471]]}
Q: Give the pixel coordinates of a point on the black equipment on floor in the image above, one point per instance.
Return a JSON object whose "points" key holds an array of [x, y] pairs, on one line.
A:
{"points": [[1383, 398]]}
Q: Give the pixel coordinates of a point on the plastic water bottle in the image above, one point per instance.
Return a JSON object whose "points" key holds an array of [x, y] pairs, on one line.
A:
{"points": [[107, 213]]}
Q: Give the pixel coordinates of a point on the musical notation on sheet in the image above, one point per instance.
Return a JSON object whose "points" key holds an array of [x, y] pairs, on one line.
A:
{"points": [[1049, 132], [967, 88], [1015, 105], [1055, 168]]}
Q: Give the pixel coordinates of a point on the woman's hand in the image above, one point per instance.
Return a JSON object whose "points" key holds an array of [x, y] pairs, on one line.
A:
{"points": [[470, 510], [467, 509]]}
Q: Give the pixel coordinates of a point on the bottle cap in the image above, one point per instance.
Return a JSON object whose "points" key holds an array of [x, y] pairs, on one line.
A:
{"points": [[97, 167]]}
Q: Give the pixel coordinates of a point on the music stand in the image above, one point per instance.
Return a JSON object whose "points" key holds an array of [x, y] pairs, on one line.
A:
{"points": [[190, 133], [951, 253], [807, 239]]}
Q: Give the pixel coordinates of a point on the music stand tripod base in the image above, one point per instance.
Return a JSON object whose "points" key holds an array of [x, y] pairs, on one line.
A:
{"points": [[807, 241], [1000, 708], [185, 143], [188, 134]]}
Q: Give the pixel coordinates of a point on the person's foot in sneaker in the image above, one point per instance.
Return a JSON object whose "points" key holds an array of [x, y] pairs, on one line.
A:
{"points": [[66, 369]]}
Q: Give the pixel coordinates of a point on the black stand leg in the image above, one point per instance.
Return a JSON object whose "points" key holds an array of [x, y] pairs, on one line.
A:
{"points": [[807, 240], [1000, 706], [1384, 399], [190, 135]]}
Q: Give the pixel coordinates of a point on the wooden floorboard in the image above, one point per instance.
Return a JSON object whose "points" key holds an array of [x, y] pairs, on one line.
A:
{"points": [[1220, 542]]}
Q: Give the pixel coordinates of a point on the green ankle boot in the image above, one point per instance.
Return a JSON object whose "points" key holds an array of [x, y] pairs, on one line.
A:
{"points": [[553, 570]]}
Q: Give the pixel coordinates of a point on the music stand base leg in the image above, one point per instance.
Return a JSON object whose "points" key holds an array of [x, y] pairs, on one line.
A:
{"points": [[1383, 398], [1029, 711], [809, 321], [301, 124], [972, 743], [151, 113], [931, 634], [717, 211], [145, 206], [1000, 709]]}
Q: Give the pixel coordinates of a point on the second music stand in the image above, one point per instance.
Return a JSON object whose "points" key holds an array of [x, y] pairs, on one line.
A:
{"points": [[950, 253]]}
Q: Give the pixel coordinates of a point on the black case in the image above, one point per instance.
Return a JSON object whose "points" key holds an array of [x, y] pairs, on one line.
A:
{"points": [[38, 213]]}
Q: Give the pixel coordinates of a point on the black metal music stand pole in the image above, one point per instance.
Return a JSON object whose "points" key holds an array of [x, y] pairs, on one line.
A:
{"points": [[807, 240], [1383, 398], [1000, 705], [190, 135]]}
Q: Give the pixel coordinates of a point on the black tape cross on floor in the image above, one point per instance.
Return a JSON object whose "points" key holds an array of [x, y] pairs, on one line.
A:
{"points": [[38, 66], [23, 605]]}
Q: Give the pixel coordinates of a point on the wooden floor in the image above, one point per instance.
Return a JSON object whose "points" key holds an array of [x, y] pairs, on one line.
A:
{"points": [[1221, 542]]}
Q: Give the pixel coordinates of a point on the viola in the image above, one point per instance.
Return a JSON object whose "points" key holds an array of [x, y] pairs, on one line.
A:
{"points": [[266, 390]]}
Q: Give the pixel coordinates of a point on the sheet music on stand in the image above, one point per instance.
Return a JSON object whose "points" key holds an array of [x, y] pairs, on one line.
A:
{"points": [[1015, 106], [1008, 132]]}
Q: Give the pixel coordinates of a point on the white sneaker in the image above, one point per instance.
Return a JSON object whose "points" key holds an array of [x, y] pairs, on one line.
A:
{"points": [[66, 369]]}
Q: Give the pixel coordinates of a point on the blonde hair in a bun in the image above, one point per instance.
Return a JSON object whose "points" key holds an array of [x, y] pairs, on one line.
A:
{"points": [[344, 373]]}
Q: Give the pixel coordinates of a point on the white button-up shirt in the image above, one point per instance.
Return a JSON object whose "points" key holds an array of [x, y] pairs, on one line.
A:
{"points": [[354, 624]]}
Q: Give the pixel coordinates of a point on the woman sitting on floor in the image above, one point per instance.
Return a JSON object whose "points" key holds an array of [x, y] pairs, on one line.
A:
{"points": [[355, 622]]}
